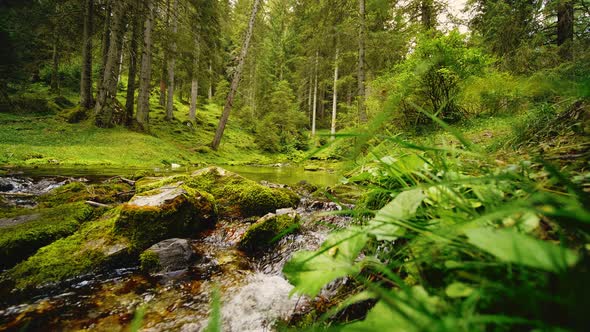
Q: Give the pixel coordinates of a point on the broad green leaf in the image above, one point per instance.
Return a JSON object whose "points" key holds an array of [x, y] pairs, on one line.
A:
{"points": [[403, 207], [458, 289], [510, 246], [410, 312], [309, 271]]}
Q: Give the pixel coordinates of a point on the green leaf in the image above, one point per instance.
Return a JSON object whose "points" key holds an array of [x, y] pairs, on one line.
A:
{"points": [[412, 311], [403, 207], [510, 246], [309, 271], [458, 289]]}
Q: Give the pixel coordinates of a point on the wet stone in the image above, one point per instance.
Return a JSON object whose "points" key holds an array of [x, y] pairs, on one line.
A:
{"points": [[173, 254]]}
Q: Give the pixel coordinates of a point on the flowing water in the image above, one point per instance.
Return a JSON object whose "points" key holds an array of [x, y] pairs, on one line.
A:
{"points": [[253, 291]]}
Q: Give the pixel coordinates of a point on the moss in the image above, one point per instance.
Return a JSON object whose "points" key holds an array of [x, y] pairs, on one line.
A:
{"points": [[239, 197], [105, 193], [149, 261], [43, 227], [151, 183], [74, 115], [146, 225], [82, 252], [268, 230]]}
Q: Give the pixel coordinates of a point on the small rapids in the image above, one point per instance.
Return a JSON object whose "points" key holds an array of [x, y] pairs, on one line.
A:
{"points": [[254, 294]]}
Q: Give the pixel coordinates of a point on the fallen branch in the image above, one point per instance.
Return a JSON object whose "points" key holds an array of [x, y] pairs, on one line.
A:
{"points": [[96, 204]]}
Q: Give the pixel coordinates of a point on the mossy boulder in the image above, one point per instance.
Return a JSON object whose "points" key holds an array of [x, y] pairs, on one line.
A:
{"points": [[22, 235], [268, 230], [92, 247], [239, 197], [106, 193], [169, 211]]}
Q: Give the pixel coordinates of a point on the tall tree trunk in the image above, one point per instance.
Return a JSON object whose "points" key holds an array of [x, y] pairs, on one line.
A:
{"points": [[427, 14], [565, 27], [315, 94], [86, 73], [133, 56], [210, 94], [310, 95], [55, 66], [361, 64], [120, 64], [236, 79], [106, 41], [172, 63], [145, 74], [106, 100], [335, 96], [195, 83], [164, 72]]}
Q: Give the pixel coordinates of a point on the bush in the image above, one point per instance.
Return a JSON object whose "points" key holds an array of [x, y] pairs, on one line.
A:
{"points": [[68, 74]]}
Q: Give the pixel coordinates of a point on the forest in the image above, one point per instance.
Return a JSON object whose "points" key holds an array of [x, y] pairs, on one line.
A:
{"points": [[294, 165]]}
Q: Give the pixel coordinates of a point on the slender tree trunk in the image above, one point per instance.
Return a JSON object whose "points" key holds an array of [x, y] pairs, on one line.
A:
{"points": [[172, 63], [145, 75], [310, 95], [106, 101], [335, 96], [236, 79], [210, 94], [427, 14], [195, 83], [55, 66], [106, 40], [315, 94], [361, 64], [120, 64], [133, 56], [86, 74], [164, 72], [565, 27]]}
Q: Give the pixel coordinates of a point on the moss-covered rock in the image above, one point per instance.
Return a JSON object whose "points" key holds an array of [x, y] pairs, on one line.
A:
{"points": [[169, 211], [106, 193], [93, 246], [268, 230], [22, 235], [239, 197], [149, 261]]}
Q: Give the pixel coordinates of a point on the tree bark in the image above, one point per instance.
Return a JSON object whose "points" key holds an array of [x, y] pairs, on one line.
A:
{"points": [[106, 40], [55, 66], [565, 27], [133, 56], [210, 94], [86, 74], [163, 87], [315, 94], [236, 79], [171, 64], [145, 75], [106, 100], [335, 96], [361, 64], [195, 83], [427, 14]]}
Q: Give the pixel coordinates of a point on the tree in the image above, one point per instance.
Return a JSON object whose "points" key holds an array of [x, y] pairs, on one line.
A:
{"points": [[133, 56], [335, 95], [145, 74], [86, 100], [171, 64], [194, 83], [106, 101], [236, 79], [565, 26], [361, 63]]}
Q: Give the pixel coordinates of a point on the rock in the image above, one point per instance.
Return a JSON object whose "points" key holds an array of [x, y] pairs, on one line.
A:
{"points": [[167, 256], [169, 211], [268, 230], [239, 197], [6, 185], [285, 211], [174, 166]]}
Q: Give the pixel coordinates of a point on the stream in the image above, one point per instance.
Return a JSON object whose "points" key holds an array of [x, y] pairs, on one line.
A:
{"points": [[254, 294]]}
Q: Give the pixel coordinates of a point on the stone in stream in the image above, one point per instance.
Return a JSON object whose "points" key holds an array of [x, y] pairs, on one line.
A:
{"points": [[236, 196], [169, 211], [6, 185], [167, 256], [269, 229]]}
